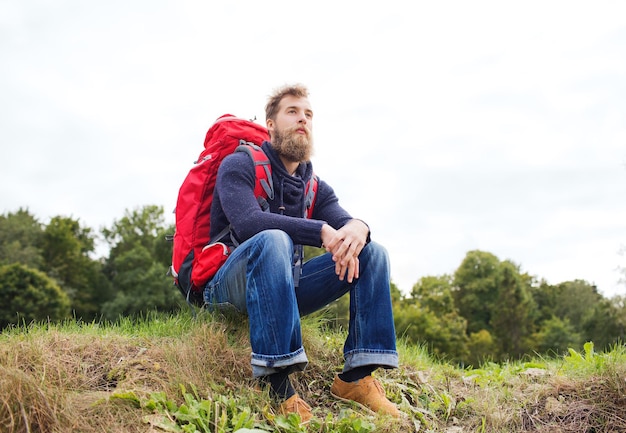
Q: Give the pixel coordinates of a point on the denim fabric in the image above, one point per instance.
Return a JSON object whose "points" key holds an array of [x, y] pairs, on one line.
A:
{"points": [[257, 280]]}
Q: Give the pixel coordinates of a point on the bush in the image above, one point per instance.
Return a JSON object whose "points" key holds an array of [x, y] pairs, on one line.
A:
{"points": [[29, 296]]}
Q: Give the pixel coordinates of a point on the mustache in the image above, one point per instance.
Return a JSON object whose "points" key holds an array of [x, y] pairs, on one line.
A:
{"points": [[294, 129]]}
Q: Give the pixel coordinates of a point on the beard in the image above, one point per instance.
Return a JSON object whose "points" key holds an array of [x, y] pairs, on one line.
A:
{"points": [[292, 146]]}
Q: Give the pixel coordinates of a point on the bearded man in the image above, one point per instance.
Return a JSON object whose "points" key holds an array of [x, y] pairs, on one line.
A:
{"points": [[264, 276]]}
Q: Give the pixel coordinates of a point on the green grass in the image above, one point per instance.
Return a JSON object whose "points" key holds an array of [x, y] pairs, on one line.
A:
{"points": [[180, 373]]}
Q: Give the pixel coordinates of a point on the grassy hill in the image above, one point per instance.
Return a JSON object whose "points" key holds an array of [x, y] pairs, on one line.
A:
{"points": [[183, 374]]}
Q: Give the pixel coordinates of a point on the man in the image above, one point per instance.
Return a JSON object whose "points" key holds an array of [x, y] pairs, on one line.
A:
{"points": [[263, 278]]}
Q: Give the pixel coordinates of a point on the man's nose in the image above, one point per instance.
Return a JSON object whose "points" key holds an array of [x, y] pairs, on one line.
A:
{"points": [[302, 118]]}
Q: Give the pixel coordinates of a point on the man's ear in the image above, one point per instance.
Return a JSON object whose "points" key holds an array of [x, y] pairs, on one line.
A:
{"points": [[270, 126]]}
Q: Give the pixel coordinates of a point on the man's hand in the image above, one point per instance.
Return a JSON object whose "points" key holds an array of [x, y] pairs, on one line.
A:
{"points": [[345, 245]]}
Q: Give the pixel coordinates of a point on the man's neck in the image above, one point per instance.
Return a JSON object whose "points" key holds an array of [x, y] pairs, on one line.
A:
{"points": [[290, 166]]}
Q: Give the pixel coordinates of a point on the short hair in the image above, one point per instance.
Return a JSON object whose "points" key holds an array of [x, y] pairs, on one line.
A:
{"points": [[297, 90]]}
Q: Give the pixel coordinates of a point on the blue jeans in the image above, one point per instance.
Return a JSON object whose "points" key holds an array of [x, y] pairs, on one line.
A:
{"points": [[257, 279]]}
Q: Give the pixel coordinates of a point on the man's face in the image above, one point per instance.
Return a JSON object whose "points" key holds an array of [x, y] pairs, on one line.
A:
{"points": [[290, 131]]}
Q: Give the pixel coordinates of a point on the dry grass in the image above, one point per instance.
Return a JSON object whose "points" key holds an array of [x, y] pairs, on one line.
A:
{"points": [[64, 378], [593, 405], [53, 379]]}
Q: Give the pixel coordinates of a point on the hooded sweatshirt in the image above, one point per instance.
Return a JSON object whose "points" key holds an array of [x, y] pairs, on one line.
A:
{"points": [[234, 202]]}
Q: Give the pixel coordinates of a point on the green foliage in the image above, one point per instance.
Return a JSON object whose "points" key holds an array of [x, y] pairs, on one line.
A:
{"points": [[476, 289], [430, 317], [20, 233], [512, 314], [66, 246], [61, 250], [29, 295], [587, 362], [589, 316], [575, 299], [396, 294], [434, 293], [137, 265], [556, 335], [444, 335], [126, 396], [605, 323], [195, 414], [492, 374], [226, 413], [141, 227], [346, 422], [310, 252], [481, 347]]}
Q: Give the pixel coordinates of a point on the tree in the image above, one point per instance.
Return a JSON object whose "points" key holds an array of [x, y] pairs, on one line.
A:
{"points": [[142, 286], [20, 233], [513, 310], [605, 325], [546, 299], [575, 300], [481, 348], [144, 226], [476, 288], [429, 316], [66, 246], [29, 295], [138, 263], [434, 293], [557, 336]]}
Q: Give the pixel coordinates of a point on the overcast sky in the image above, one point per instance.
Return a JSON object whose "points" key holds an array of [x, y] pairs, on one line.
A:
{"points": [[448, 126]]}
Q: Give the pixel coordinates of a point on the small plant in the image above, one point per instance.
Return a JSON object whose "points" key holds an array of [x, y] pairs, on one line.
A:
{"points": [[587, 362], [221, 414], [347, 422], [224, 414]]}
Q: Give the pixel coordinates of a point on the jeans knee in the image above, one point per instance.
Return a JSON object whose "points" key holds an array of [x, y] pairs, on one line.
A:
{"points": [[375, 252], [276, 241]]}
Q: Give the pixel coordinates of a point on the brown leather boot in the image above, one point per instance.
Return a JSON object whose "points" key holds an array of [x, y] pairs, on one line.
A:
{"points": [[367, 392], [295, 404]]}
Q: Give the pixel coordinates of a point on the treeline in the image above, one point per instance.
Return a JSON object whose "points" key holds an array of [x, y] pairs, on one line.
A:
{"points": [[53, 265], [488, 310]]}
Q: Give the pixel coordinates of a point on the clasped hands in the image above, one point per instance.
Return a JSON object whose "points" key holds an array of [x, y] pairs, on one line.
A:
{"points": [[345, 245]]}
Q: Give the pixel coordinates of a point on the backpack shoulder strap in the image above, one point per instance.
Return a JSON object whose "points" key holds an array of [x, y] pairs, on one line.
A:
{"points": [[311, 194], [264, 184]]}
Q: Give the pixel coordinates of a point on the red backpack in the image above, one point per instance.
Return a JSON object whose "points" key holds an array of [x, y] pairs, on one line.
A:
{"points": [[194, 260]]}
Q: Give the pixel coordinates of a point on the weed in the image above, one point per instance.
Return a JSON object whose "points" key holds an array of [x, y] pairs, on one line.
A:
{"points": [[196, 414], [225, 414], [587, 362]]}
